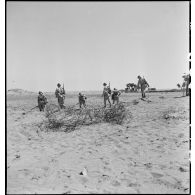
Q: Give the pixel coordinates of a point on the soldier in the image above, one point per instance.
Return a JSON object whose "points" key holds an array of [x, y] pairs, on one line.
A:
{"points": [[60, 94], [142, 83], [42, 101], [106, 94], [115, 95], [187, 80], [183, 87], [82, 99]]}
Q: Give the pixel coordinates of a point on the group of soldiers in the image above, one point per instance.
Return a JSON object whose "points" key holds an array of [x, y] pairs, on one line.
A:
{"points": [[60, 95], [107, 94], [142, 84]]}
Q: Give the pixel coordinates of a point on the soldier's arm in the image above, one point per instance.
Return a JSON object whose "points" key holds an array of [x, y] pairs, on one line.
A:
{"points": [[103, 93], [38, 100], [138, 83], [147, 84], [45, 99], [64, 92], [56, 92]]}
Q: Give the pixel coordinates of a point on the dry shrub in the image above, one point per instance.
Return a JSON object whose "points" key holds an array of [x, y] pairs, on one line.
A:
{"points": [[174, 114], [70, 117], [115, 114]]}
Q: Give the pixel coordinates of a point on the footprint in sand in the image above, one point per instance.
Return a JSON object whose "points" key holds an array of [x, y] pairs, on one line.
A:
{"points": [[25, 171], [83, 180], [107, 169], [17, 156], [68, 192], [115, 183], [105, 162], [105, 177], [148, 165], [182, 169], [157, 175], [133, 185]]}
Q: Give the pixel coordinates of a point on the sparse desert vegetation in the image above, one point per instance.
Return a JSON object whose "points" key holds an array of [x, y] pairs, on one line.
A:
{"points": [[146, 151]]}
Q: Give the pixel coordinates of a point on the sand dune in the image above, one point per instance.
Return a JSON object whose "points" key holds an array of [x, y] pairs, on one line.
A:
{"points": [[148, 154]]}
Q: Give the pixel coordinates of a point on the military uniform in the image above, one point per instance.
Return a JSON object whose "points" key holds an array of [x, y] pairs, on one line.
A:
{"points": [[187, 80], [82, 99], [60, 94], [42, 101], [142, 83], [115, 96], [106, 96]]}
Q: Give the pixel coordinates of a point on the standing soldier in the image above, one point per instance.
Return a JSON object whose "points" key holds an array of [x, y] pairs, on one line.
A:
{"points": [[187, 80], [115, 95], [60, 94], [42, 101], [183, 87], [106, 94], [142, 83], [82, 99]]}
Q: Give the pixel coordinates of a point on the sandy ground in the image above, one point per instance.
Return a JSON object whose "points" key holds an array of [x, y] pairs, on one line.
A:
{"points": [[149, 154]]}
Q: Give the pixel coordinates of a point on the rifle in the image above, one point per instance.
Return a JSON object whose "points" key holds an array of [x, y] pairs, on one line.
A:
{"points": [[63, 89], [109, 90], [30, 110]]}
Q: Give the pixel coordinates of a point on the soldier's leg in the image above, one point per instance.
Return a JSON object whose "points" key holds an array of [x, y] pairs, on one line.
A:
{"points": [[144, 94], [39, 107], [142, 91], [61, 102], [109, 101], [117, 100], [113, 98], [104, 102], [187, 90]]}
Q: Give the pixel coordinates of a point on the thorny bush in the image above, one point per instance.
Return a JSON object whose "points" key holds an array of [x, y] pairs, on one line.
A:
{"points": [[70, 117]]}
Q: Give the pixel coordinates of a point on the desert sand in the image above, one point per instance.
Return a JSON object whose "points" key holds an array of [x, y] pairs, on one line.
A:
{"points": [[147, 154]]}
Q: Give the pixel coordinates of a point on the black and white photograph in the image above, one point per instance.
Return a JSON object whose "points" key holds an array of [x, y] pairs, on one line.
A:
{"points": [[98, 97]]}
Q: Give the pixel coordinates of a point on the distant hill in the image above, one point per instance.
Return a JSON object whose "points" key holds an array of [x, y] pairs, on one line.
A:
{"points": [[164, 90], [15, 92], [22, 92]]}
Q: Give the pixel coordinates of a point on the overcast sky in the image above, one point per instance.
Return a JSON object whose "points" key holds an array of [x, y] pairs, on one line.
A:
{"points": [[83, 44]]}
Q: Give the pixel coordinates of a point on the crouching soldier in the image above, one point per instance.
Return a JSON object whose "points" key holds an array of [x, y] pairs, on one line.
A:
{"points": [[115, 95], [82, 99], [42, 101]]}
